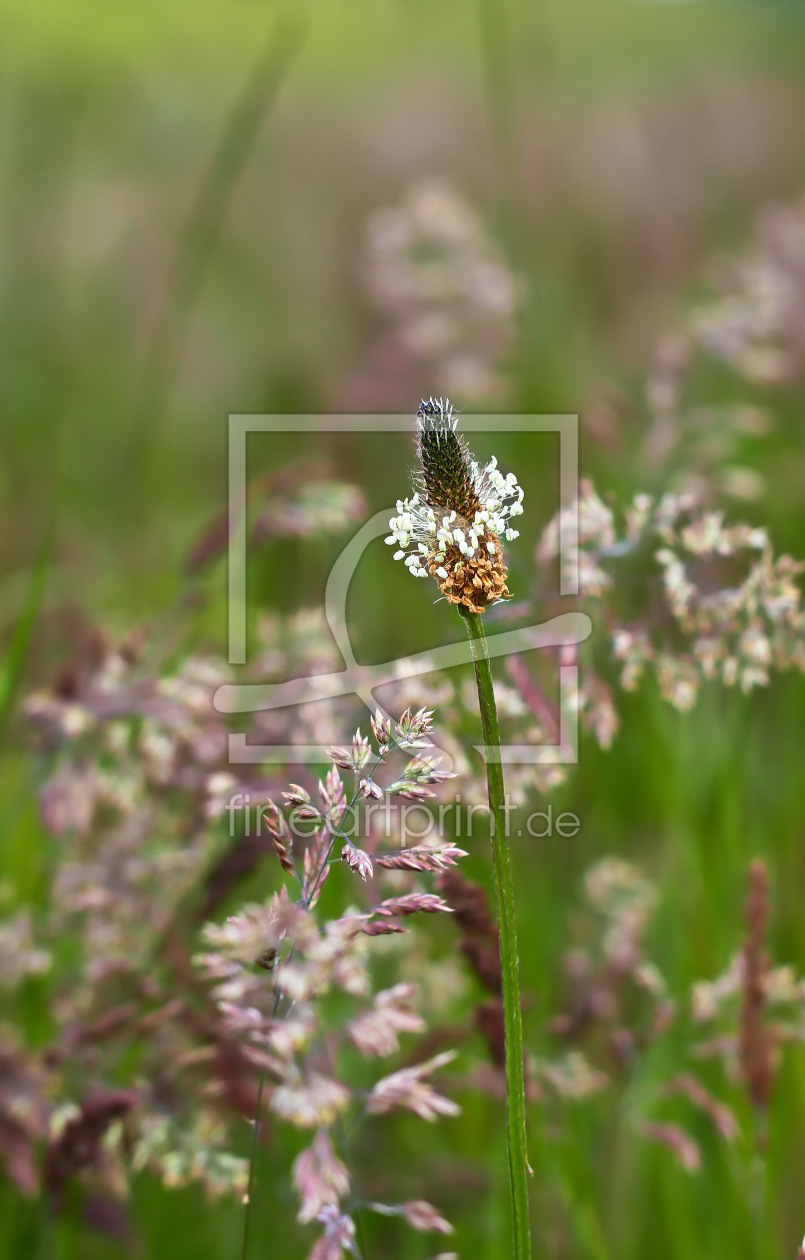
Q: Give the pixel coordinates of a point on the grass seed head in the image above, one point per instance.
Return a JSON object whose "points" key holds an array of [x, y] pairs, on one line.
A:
{"points": [[451, 529]]}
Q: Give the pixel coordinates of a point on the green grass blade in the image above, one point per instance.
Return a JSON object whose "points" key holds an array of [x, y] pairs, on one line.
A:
{"points": [[519, 1168]]}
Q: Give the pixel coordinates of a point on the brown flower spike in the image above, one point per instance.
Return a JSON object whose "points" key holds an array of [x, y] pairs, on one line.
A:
{"points": [[452, 526]]}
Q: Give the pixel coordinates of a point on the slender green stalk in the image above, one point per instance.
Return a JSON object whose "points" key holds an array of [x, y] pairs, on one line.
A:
{"points": [[509, 959], [236, 144]]}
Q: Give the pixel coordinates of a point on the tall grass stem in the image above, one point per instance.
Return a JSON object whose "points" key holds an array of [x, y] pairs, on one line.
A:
{"points": [[236, 144], [516, 1136]]}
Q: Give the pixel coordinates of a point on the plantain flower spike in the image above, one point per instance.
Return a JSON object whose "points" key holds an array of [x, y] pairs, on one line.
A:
{"points": [[452, 526]]}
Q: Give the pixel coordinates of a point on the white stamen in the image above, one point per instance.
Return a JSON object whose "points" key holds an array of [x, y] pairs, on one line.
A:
{"points": [[423, 532]]}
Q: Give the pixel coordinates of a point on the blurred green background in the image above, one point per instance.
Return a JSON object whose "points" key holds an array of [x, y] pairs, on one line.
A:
{"points": [[184, 199]]}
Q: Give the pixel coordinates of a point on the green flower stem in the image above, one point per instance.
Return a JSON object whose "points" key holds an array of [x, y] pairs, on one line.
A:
{"points": [[519, 1168]]}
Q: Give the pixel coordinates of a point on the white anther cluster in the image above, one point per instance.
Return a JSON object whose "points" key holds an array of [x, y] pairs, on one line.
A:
{"points": [[419, 532]]}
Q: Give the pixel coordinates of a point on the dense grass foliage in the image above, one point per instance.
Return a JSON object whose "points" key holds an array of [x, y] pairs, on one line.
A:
{"points": [[191, 226]]}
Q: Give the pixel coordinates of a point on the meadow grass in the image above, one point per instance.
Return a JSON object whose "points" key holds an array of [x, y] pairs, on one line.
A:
{"points": [[109, 131]]}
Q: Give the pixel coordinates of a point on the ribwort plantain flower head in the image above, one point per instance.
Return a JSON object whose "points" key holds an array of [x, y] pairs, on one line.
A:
{"points": [[451, 528]]}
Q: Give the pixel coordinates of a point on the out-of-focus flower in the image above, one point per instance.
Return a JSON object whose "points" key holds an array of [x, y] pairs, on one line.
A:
{"points": [[408, 1088], [758, 326], [19, 957], [418, 1213], [193, 1151], [613, 987], [684, 1147], [447, 295], [24, 1108], [728, 608], [338, 1237], [311, 1102], [572, 1076], [376, 1030], [320, 1177], [723, 1118], [296, 502]]}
